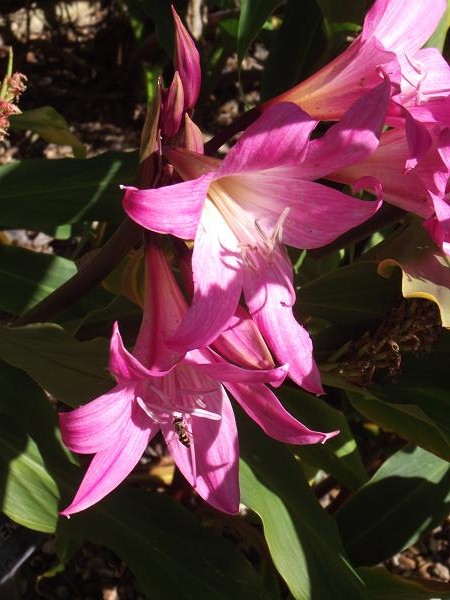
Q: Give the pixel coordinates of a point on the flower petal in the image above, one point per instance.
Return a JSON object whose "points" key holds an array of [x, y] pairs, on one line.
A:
{"points": [[329, 93], [174, 209], [279, 136], [109, 467], [217, 283], [242, 343], [90, 428], [317, 213], [352, 139], [266, 410], [214, 448], [269, 295], [402, 29], [221, 370], [164, 309]]}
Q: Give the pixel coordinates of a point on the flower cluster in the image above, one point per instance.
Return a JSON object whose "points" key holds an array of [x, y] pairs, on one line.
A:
{"points": [[11, 89], [388, 98]]}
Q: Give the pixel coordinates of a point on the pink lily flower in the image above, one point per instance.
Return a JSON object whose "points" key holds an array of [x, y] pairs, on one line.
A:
{"points": [[239, 211], [392, 32], [187, 401], [421, 190]]}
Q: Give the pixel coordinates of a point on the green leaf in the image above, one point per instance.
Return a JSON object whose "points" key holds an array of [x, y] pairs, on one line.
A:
{"points": [[171, 555], [34, 465], [423, 383], [425, 269], [51, 126], [30, 494], [27, 277], [408, 496], [407, 420], [342, 11], [72, 371], [352, 295], [339, 456], [254, 14], [302, 538], [294, 49], [382, 585], [69, 191]]}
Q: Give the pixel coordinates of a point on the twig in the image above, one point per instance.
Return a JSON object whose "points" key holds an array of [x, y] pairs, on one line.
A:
{"points": [[92, 273]]}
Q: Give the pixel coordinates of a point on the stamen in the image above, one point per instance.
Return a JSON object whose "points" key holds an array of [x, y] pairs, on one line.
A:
{"points": [[278, 231], [155, 416], [244, 248], [276, 237], [422, 73]]}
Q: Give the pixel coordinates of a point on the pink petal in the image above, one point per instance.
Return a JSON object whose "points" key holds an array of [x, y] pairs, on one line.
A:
{"points": [[242, 342], [269, 295], [220, 370], [317, 213], [217, 283], [323, 214], [215, 447], [187, 61], [406, 190], [173, 107], [110, 466], [266, 410], [164, 309], [174, 209], [190, 164], [279, 136], [126, 367], [329, 93], [352, 139], [90, 428], [403, 28]]}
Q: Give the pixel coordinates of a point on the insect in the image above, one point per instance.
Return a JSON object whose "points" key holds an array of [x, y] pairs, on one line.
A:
{"points": [[180, 430]]}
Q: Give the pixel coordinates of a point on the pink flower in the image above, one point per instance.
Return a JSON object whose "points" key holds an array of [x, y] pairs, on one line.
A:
{"points": [[393, 31], [239, 211], [420, 190], [185, 399]]}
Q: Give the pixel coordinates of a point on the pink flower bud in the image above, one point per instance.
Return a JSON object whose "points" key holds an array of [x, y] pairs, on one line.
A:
{"points": [[187, 62]]}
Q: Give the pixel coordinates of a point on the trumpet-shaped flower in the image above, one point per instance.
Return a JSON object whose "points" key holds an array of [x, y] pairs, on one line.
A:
{"points": [[187, 401], [393, 32], [421, 190], [241, 209]]}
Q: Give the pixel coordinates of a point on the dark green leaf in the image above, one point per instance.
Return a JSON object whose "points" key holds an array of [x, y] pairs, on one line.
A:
{"points": [[303, 540], [72, 371], [342, 11], [353, 295], [294, 49], [407, 420], [339, 456], [171, 555], [254, 14], [384, 586], [27, 277], [51, 126], [40, 194], [34, 466], [408, 496]]}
